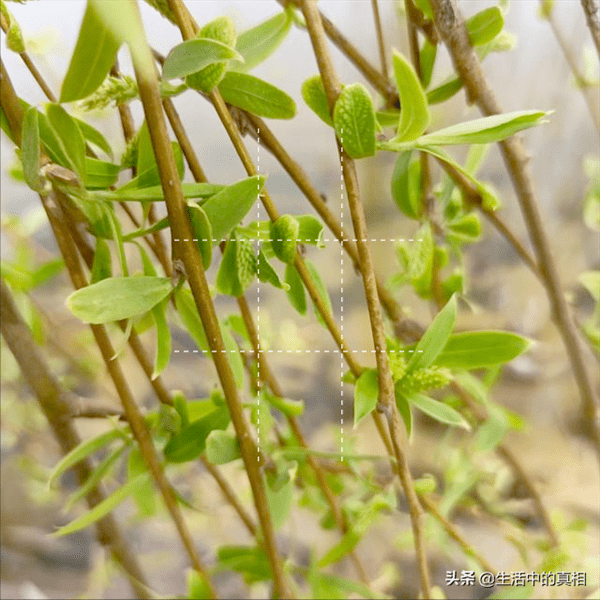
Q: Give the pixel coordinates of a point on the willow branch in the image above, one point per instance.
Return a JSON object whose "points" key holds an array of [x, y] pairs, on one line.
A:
{"points": [[451, 26], [68, 250], [380, 37], [591, 99], [189, 261], [592, 16], [387, 403], [58, 409]]}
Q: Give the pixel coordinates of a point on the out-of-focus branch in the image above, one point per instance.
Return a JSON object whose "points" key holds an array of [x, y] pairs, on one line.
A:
{"points": [[57, 408], [592, 16]]}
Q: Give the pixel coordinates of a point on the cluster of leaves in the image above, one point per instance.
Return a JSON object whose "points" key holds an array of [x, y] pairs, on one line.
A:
{"points": [[220, 59]]}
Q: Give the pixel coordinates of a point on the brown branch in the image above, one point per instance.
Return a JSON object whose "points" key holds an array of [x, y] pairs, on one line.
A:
{"points": [[592, 16], [68, 250], [386, 400], [451, 26], [379, 81], [591, 99], [380, 38], [58, 409], [190, 262]]}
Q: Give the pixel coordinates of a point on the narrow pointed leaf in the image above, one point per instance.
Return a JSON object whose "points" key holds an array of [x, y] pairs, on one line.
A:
{"points": [[484, 130], [439, 411], [30, 149], [414, 114], [228, 207], [315, 98], [435, 338], [118, 298], [476, 349], [186, 307], [321, 289], [194, 55], [82, 451], [105, 507], [256, 96], [484, 26], [94, 55], [163, 339], [366, 394], [258, 43], [222, 447], [100, 174], [295, 292], [70, 137], [155, 193], [202, 232]]}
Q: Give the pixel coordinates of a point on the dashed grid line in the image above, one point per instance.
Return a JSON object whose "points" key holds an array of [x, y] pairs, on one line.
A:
{"points": [[342, 351], [342, 295]]}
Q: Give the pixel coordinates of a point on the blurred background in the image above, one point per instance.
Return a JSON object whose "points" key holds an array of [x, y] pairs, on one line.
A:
{"points": [[502, 292]]}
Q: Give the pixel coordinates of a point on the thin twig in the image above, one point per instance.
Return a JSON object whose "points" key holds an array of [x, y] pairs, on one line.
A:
{"points": [[57, 408], [380, 37], [451, 26], [191, 263], [592, 16], [591, 99], [386, 385], [52, 204]]}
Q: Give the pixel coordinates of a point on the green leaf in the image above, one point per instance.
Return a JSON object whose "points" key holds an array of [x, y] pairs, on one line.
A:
{"points": [[445, 91], [83, 450], [316, 99], [190, 442], [489, 200], [163, 339], [258, 43], [118, 298], [310, 231], [414, 114], [332, 587], [30, 150], [366, 394], [354, 121], [290, 408], [238, 266], [435, 338], [490, 434], [100, 174], [476, 349], [388, 118], [484, 130], [229, 206], [403, 406], [197, 587], [194, 55], [234, 357], [465, 228], [102, 265], [425, 7], [484, 26], [406, 179], [439, 411], [321, 289], [186, 307], [71, 139], [202, 232], [222, 447], [144, 493], [590, 280], [295, 292], [427, 57], [280, 501], [101, 470], [103, 508], [284, 237], [252, 563], [93, 136], [94, 55], [340, 549], [256, 96], [266, 273], [155, 193]]}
